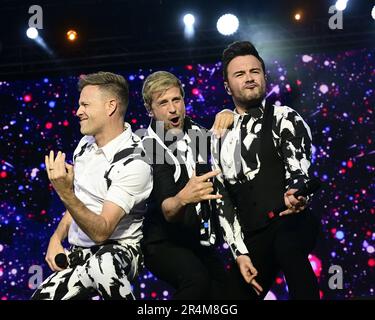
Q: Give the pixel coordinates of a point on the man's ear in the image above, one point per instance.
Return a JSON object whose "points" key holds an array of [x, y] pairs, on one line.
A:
{"points": [[227, 89], [149, 110], [111, 106]]}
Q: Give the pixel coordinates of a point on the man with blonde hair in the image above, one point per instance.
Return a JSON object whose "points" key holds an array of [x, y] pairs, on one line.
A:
{"points": [[180, 230], [104, 193]]}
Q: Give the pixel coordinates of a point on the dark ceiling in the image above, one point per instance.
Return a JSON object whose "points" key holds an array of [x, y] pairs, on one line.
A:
{"points": [[124, 33]]}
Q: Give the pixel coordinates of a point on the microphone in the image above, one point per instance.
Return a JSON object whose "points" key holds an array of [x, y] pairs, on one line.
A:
{"points": [[201, 169], [61, 260], [207, 237], [310, 187]]}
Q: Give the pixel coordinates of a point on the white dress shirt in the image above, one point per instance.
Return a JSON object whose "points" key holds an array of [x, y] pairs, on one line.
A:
{"points": [[130, 185]]}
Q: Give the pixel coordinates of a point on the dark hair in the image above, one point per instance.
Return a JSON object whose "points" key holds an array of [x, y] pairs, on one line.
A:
{"points": [[239, 48]]}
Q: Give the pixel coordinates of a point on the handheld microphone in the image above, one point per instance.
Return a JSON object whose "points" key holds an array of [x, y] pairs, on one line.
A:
{"points": [[207, 237], [61, 260], [201, 169], [310, 187]]}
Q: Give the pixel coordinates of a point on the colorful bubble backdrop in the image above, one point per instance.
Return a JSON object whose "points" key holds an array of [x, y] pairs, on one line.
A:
{"points": [[334, 92]]}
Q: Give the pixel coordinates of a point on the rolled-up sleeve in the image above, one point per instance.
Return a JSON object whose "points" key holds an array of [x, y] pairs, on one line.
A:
{"points": [[130, 184]]}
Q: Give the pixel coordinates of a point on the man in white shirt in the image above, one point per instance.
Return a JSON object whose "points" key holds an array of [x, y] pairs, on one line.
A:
{"points": [[105, 195]]}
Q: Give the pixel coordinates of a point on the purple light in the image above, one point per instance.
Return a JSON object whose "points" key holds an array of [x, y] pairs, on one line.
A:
{"points": [[339, 235]]}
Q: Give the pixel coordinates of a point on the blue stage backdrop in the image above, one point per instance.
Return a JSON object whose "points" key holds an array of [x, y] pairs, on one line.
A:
{"points": [[333, 92]]}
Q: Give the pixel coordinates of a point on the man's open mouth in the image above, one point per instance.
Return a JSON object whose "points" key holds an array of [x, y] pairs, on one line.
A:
{"points": [[175, 121]]}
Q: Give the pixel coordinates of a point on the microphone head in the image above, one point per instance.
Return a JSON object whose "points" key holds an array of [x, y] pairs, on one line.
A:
{"points": [[61, 260]]}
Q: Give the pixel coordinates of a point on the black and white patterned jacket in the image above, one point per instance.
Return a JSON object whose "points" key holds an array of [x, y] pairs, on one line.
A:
{"points": [[292, 140]]}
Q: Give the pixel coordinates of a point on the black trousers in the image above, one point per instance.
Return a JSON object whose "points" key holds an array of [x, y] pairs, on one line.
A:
{"points": [[195, 273], [284, 245]]}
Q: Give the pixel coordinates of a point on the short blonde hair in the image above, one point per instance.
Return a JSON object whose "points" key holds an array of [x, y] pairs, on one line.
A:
{"points": [[159, 81], [111, 82]]}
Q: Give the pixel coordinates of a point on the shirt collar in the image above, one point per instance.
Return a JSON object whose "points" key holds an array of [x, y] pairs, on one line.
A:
{"points": [[112, 147], [255, 113]]}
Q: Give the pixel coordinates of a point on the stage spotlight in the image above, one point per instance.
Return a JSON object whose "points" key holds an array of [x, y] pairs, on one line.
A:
{"points": [[341, 5], [298, 16], [32, 33], [189, 20], [227, 24], [72, 35], [373, 12]]}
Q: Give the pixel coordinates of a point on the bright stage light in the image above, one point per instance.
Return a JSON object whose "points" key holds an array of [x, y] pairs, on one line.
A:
{"points": [[189, 20], [32, 33], [227, 24], [72, 35], [341, 5], [298, 16], [373, 12]]}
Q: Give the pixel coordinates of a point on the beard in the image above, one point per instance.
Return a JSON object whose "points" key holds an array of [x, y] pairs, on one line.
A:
{"points": [[250, 102]]}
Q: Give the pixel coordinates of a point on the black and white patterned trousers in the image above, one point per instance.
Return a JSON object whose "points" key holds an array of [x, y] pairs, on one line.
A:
{"points": [[104, 270]]}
